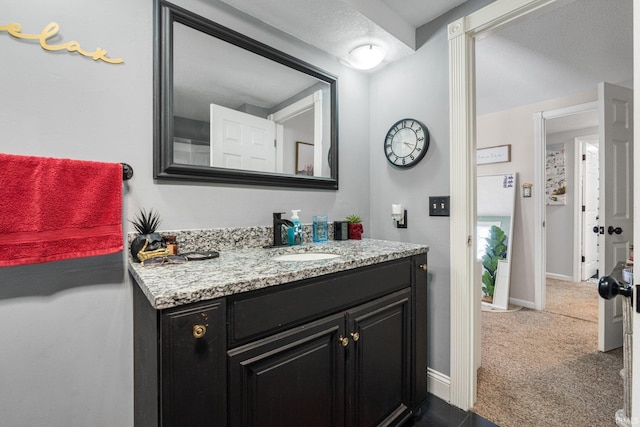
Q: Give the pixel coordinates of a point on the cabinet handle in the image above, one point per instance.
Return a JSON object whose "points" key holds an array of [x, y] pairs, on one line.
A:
{"points": [[423, 266], [355, 336], [344, 341], [199, 331]]}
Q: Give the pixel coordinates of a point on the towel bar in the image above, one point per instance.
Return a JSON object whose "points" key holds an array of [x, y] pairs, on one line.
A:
{"points": [[127, 171]]}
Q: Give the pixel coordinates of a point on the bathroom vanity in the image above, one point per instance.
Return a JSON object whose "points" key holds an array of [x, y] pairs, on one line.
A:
{"points": [[247, 340]]}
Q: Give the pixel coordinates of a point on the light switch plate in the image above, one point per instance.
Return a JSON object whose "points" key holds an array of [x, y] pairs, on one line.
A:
{"points": [[439, 206]]}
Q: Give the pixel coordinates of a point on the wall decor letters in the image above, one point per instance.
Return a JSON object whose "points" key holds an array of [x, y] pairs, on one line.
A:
{"points": [[498, 154], [50, 30]]}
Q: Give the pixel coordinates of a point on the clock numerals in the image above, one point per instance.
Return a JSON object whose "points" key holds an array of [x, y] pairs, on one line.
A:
{"points": [[406, 143]]}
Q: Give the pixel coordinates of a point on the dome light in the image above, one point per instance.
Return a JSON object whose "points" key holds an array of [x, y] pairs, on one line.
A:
{"points": [[366, 57]]}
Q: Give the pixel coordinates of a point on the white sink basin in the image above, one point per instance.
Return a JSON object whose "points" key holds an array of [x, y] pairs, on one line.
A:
{"points": [[305, 256]]}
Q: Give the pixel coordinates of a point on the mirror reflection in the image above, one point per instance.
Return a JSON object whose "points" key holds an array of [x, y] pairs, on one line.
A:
{"points": [[238, 111], [494, 229]]}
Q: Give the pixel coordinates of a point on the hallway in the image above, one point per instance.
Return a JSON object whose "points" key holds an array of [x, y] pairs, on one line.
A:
{"points": [[542, 368]]}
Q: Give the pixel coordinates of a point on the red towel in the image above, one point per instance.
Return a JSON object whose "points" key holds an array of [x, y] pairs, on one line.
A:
{"points": [[53, 209]]}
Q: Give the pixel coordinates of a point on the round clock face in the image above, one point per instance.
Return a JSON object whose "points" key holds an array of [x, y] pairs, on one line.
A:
{"points": [[406, 143]]}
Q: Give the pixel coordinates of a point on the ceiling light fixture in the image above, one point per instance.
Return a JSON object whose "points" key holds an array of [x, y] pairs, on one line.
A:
{"points": [[366, 57]]}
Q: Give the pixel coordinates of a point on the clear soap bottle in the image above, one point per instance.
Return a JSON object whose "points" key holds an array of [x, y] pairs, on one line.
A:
{"points": [[294, 234]]}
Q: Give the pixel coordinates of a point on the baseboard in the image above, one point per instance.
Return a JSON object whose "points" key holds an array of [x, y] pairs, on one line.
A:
{"points": [[438, 384], [522, 303], [560, 277]]}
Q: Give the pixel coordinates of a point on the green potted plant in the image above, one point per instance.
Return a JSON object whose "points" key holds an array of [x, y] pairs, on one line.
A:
{"points": [[495, 251], [147, 240], [355, 227]]}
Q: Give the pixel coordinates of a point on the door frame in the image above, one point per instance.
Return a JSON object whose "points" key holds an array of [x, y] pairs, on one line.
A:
{"points": [[462, 125], [580, 143], [540, 217]]}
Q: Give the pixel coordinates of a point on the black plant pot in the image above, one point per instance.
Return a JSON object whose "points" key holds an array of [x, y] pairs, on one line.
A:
{"points": [[155, 242]]}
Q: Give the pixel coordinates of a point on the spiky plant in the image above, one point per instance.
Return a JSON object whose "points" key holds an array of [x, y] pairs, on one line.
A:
{"points": [[146, 222], [354, 219]]}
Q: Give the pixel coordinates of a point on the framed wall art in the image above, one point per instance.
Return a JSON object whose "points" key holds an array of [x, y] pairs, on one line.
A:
{"points": [[497, 154]]}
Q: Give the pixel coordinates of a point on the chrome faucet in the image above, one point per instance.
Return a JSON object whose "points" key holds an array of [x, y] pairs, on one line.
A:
{"points": [[278, 222]]}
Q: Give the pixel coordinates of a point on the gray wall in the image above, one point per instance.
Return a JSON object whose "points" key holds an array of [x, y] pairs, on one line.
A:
{"points": [[560, 219], [66, 327], [418, 87]]}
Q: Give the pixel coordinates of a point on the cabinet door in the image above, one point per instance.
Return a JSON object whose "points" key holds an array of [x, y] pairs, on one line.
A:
{"points": [[294, 378], [379, 358], [193, 370]]}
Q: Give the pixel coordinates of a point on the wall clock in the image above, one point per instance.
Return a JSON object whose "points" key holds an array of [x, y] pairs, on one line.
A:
{"points": [[406, 143]]}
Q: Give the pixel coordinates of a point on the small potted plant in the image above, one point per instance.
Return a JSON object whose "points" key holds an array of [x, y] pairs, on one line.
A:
{"points": [[355, 227], [146, 224]]}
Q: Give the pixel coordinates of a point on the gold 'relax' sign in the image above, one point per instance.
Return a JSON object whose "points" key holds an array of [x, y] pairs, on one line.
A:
{"points": [[50, 30]]}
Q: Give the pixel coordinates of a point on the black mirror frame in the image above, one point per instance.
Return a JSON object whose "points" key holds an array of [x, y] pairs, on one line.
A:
{"points": [[165, 14]]}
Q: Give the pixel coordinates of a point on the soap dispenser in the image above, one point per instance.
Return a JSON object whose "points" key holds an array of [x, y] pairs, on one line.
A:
{"points": [[294, 234]]}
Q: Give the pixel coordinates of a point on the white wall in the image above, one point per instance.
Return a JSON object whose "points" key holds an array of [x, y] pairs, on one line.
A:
{"points": [[66, 327], [515, 127]]}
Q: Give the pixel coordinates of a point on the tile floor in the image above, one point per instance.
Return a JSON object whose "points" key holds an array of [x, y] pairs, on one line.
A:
{"points": [[438, 413]]}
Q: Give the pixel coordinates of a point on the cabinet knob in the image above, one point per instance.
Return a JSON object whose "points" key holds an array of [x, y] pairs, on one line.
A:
{"points": [[199, 331], [344, 341], [355, 336], [423, 266]]}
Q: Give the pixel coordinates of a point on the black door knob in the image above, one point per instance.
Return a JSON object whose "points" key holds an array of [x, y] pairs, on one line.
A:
{"points": [[613, 229], [609, 287], [595, 229]]}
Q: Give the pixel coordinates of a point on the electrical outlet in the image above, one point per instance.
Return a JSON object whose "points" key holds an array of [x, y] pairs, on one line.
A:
{"points": [[439, 206]]}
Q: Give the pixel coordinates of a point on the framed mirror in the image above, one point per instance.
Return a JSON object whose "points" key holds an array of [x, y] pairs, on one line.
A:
{"points": [[496, 196], [230, 109]]}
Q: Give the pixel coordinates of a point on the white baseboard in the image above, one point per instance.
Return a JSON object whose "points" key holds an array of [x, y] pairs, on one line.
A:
{"points": [[438, 384], [560, 277], [522, 303]]}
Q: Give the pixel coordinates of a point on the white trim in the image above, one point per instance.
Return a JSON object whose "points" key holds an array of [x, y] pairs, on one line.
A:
{"points": [[539, 214], [522, 303], [539, 232], [635, 379], [462, 128], [563, 277], [577, 210], [438, 384], [309, 102], [462, 251], [580, 143]]}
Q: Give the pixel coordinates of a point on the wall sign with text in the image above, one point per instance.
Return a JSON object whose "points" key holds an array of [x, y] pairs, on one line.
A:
{"points": [[497, 154], [50, 30]]}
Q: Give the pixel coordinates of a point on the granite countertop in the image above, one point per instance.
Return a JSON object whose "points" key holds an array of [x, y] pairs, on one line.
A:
{"points": [[241, 270]]}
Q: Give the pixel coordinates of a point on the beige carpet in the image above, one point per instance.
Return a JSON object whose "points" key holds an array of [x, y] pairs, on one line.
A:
{"points": [[573, 299], [544, 369]]}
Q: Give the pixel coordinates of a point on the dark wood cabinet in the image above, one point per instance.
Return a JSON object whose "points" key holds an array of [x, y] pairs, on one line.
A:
{"points": [[292, 379], [378, 385], [180, 364], [345, 349]]}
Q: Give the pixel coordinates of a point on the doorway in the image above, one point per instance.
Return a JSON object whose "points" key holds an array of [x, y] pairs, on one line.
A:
{"points": [[462, 36], [588, 191], [569, 138]]}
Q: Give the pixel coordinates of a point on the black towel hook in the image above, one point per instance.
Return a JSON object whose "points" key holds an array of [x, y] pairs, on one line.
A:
{"points": [[127, 171]]}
